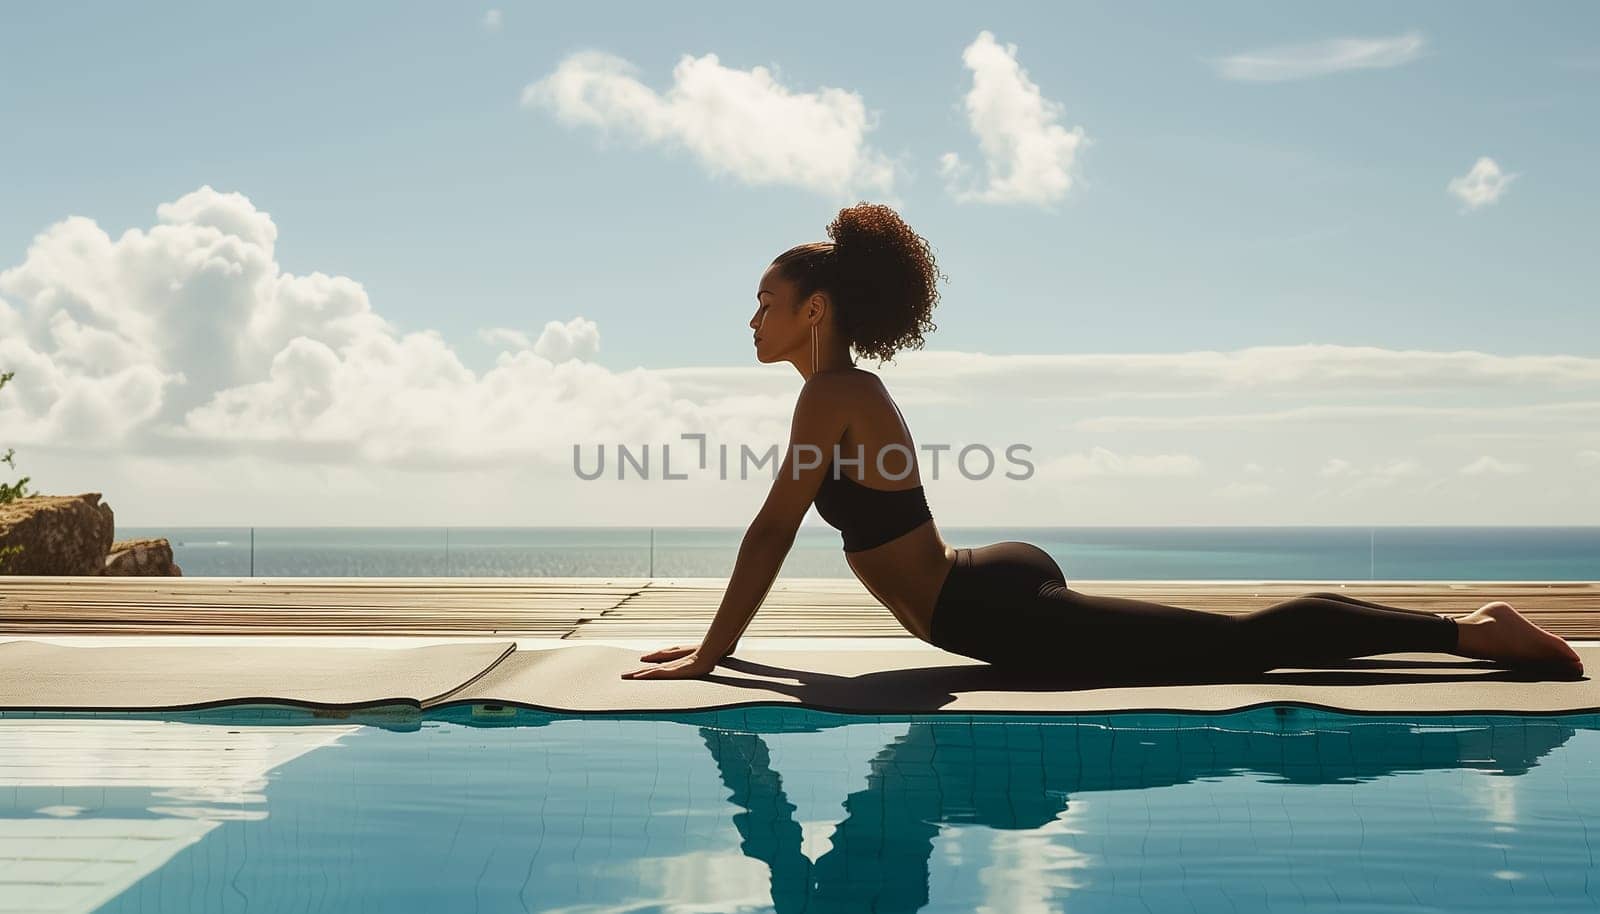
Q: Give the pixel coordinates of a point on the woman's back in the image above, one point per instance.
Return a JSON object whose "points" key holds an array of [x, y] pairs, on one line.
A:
{"points": [[879, 504]]}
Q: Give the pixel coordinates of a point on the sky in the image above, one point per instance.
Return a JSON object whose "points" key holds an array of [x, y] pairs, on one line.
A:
{"points": [[365, 263]]}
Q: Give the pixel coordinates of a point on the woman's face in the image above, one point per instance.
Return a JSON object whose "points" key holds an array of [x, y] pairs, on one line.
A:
{"points": [[781, 331]]}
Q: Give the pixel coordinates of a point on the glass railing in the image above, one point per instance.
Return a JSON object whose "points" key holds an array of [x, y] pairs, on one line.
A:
{"points": [[1084, 553]]}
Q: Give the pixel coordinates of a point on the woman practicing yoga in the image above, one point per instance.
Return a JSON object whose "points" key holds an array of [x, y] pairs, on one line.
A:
{"points": [[873, 289]]}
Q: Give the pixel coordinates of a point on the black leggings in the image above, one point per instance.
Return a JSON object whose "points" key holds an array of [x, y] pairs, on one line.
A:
{"points": [[1008, 604]]}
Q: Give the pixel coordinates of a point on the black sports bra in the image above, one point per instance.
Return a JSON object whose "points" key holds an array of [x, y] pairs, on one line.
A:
{"points": [[866, 517]]}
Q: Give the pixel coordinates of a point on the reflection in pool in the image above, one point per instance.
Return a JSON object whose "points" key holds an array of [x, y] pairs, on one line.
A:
{"points": [[763, 809]]}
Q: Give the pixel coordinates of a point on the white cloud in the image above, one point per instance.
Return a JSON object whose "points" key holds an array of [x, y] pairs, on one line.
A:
{"points": [[230, 213], [1028, 156], [1296, 371], [1337, 466], [1101, 461], [178, 369], [1377, 476], [578, 338], [508, 337], [492, 19], [1398, 469], [188, 338], [1482, 185], [1489, 466], [1300, 61], [742, 123]]}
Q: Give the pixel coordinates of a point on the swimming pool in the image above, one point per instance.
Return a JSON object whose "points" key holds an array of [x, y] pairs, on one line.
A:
{"points": [[271, 809]]}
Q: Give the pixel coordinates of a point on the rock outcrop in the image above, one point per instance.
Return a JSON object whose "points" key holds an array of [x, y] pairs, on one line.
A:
{"points": [[150, 557], [72, 535]]}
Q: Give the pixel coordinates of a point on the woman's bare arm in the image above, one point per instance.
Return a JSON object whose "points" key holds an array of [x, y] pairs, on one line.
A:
{"points": [[819, 422], [761, 555]]}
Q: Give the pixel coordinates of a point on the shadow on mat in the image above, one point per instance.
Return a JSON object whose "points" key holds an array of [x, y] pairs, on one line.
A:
{"points": [[931, 688]]}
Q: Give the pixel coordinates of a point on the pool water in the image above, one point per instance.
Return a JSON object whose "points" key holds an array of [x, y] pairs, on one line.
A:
{"points": [[267, 809]]}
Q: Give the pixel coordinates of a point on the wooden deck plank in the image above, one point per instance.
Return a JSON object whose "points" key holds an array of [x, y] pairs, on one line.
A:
{"points": [[672, 608]]}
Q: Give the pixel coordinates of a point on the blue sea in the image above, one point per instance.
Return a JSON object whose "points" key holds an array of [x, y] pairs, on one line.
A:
{"points": [[1084, 553]]}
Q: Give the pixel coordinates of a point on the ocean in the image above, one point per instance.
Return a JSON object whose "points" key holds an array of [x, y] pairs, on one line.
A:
{"points": [[1084, 553]]}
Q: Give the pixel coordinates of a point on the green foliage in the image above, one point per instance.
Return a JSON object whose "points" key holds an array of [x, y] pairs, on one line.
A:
{"points": [[11, 491]]}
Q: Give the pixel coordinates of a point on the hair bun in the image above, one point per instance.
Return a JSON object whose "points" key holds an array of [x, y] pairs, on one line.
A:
{"points": [[881, 274]]}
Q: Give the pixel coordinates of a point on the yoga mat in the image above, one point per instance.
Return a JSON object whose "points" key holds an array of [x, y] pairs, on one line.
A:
{"points": [[586, 679], [909, 681], [39, 676]]}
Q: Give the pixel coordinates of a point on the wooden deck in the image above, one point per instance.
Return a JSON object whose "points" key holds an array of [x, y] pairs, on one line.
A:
{"points": [[664, 608]]}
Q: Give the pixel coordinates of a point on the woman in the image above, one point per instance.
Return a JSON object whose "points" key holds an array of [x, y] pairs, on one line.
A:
{"points": [[873, 289]]}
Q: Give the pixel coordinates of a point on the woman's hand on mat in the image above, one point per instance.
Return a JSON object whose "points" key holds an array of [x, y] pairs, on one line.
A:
{"points": [[671, 653], [681, 662]]}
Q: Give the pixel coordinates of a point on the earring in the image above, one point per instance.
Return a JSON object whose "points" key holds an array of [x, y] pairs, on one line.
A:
{"points": [[813, 348]]}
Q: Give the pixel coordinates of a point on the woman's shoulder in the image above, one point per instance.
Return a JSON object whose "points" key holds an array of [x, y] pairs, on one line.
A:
{"points": [[846, 383], [855, 375]]}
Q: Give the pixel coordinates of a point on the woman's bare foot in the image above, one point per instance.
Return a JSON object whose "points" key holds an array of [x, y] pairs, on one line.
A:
{"points": [[1496, 631]]}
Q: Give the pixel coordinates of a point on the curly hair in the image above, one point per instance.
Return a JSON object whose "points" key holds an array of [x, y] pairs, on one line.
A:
{"points": [[880, 274]]}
